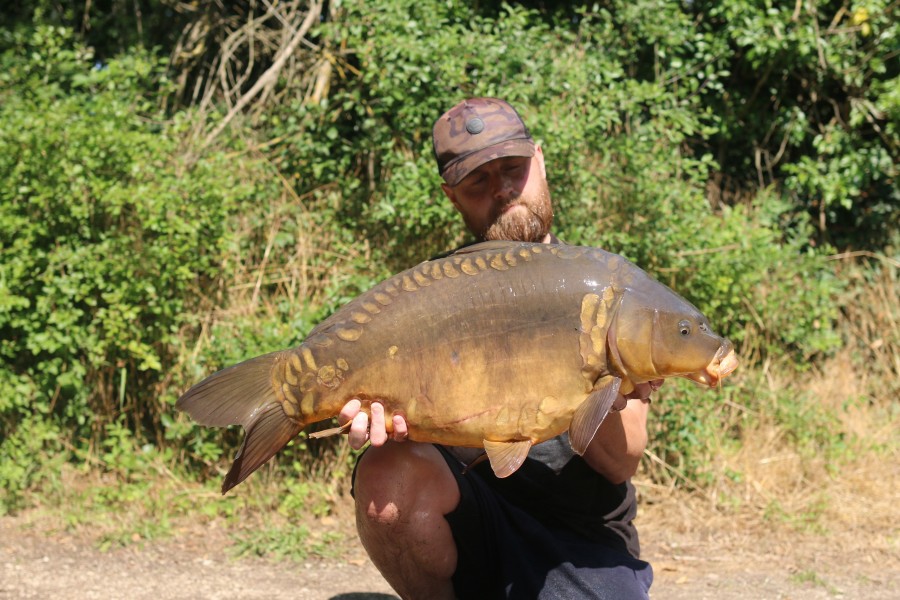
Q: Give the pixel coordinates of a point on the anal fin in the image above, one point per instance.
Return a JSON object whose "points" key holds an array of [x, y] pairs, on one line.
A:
{"points": [[507, 457], [590, 414]]}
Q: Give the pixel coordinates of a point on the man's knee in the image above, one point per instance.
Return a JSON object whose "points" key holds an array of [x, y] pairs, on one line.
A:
{"points": [[378, 487], [399, 479]]}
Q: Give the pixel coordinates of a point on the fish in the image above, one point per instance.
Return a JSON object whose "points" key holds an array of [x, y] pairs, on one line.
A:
{"points": [[500, 346]]}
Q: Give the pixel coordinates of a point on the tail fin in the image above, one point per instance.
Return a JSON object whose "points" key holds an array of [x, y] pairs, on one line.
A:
{"points": [[269, 432], [243, 394]]}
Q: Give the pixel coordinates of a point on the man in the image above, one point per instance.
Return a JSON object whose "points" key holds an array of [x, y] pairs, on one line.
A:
{"points": [[560, 527]]}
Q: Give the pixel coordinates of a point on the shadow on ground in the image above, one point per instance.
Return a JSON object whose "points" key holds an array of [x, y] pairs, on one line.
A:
{"points": [[363, 596]]}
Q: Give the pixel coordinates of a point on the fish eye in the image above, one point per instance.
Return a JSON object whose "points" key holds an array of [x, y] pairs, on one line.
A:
{"points": [[684, 328]]}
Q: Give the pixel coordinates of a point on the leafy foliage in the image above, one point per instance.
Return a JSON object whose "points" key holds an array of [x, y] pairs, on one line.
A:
{"points": [[811, 104], [108, 240]]}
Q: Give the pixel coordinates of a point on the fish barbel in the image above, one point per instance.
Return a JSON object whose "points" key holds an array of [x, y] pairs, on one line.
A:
{"points": [[501, 345]]}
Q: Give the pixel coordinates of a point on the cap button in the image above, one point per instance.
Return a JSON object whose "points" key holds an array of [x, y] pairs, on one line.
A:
{"points": [[474, 125]]}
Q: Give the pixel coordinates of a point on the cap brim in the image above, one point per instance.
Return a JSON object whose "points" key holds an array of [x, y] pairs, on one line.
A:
{"points": [[457, 171]]}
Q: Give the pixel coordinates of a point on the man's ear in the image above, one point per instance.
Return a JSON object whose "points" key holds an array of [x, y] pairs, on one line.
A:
{"points": [[451, 194], [539, 155]]}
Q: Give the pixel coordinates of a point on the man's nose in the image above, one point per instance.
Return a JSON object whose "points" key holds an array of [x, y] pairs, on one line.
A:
{"points": [[505, 190]]}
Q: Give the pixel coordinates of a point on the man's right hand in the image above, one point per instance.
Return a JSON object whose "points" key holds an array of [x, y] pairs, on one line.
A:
{"points": [[376, 431]]}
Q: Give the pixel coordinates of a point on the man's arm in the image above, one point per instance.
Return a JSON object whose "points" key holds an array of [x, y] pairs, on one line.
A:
{"points": [[616, 450]]}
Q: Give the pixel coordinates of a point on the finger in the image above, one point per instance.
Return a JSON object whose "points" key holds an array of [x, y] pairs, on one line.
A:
{"points": [[400, 429], [641, 391], [350, 410], [620, 403], [377, 431], [359, 430]]}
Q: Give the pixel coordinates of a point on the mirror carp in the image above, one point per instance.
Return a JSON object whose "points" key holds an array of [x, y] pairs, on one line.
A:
{"points": [[501, 345]]}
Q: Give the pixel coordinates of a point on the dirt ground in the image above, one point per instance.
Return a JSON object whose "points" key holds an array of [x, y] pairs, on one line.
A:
{"points": [[721, 560]]}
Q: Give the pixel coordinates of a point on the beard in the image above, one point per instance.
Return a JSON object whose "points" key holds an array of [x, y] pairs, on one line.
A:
{"points": [[529, 225]]}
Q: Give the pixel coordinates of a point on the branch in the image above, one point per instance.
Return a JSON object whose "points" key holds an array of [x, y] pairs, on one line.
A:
{"points": [[867, 254], [271, 73]]}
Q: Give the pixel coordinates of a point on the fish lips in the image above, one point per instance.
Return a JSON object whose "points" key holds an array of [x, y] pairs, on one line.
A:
{"points": [[723, 364]]}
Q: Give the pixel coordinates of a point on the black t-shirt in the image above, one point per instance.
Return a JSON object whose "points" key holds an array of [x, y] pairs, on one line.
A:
{"points": [[558, 488]]}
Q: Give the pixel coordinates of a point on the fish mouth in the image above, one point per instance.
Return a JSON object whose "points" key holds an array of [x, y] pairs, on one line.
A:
{"points": [[718, 368]]}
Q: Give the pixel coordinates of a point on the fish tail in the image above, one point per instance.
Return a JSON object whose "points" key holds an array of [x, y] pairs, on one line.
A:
{"points": [[243, 394], [269, 432]]}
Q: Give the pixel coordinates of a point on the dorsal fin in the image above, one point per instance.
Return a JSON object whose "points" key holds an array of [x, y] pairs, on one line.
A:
{"points": [[489, 245]]}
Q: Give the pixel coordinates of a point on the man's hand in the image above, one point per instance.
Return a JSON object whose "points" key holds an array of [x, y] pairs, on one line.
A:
{"points": [[377, 431], [642, 391]]}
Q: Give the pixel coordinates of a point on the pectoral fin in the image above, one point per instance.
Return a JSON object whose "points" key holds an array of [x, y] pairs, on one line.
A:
{"points": [[593, 410], [506, 457]]}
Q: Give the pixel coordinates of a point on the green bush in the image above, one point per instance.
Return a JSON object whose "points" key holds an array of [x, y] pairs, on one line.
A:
{"points": [[812, 104], [109, 236]]}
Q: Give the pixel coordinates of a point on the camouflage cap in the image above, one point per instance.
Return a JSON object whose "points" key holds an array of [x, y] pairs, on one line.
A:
{"points": [[477, 131]]}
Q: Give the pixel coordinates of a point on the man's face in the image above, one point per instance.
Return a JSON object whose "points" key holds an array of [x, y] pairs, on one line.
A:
{"points": [[505, 199]]}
